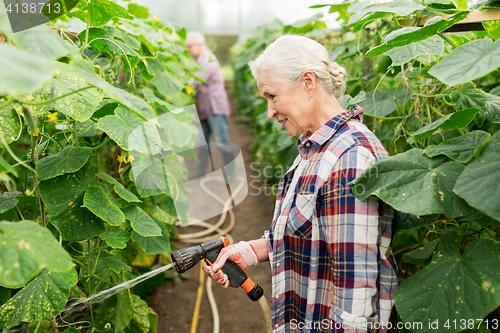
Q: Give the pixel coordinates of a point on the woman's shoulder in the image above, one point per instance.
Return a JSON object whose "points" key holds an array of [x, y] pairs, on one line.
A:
{"points": [[356, 134]]}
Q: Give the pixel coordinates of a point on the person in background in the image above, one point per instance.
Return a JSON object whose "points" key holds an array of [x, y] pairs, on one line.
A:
{"points": [[331, 261], [211, 103]]}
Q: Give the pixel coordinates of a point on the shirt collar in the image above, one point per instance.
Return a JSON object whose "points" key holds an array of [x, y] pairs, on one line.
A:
{"points": [[308, 143]]}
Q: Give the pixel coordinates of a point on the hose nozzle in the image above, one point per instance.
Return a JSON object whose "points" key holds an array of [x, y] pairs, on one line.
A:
{"points": [[186, 258]]}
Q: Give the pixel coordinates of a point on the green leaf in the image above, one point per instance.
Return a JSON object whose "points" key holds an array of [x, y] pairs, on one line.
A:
{"points": [[461, 149], [141, 222], [452, 287], [22, 71], [451, 121], [346, 101], [401, 8], [86, 70], [25, 249], [43, 298], [68, 160], [478, 184], [154, 245], [468, 96], [421, 254], [131, 132], [177, 133], [99, 204], [152, 99], [336, 52], [5, 167], [167, 84], [492, 28], [4, 295], [492, 112], [9, 125], [71, 330], [119, 188], [63, 196], [102, 11], [407, 35], [468, 62], [445, 6], [79, 105], [153, 321], [114, 264], [115, 237], [138, 11], [380, 104], [140, 321], [43, 41], [8, 200], [403, 54], [117, 310], [123, 36], [403, 221], [414, 183]]}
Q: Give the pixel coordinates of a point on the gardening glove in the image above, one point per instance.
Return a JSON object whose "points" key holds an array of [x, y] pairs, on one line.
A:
{"points": [[242, 254]]}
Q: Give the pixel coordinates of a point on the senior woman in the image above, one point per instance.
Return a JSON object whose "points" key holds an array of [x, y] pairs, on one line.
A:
{"points": [[332, 267]]}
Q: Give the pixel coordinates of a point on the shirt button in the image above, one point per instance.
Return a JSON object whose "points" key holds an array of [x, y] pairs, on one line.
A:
{"points": [[276, 325], [308, 144], [278, 265]]}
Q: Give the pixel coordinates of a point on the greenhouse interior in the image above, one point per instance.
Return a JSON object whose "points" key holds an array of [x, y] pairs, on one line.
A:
{"points": [[253, 166]]}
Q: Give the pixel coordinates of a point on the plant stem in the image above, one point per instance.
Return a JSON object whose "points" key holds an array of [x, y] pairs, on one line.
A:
{"points": [[100, 145], [19, 211], [38, 326], [56, 98], [90, 283], [14, 156], [89, 9], [75, 134], [446, 39]]}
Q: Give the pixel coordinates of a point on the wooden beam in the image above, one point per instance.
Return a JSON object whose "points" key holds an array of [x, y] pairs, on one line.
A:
{"points": [[471, 23]]}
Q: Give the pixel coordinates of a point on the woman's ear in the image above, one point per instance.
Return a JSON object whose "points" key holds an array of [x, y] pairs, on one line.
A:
{"points": [[309, 80]]}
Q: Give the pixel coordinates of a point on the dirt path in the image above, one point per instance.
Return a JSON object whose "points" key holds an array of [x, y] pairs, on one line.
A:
{"points": [[174, 303]]}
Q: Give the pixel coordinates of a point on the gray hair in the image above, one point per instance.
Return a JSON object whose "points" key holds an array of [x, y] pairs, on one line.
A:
{"points": [[196, 37], [289, 56]]}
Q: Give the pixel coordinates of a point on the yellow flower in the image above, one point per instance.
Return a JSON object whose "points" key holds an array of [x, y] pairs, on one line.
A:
{"points": [[121, 170], [168, 98], [100, 133], [121, 159], [257, 94], [36, 132], [69, 137], [252, 80], [155, 18], [189, 90], [380, 120], [52, 116], [130, 159]]}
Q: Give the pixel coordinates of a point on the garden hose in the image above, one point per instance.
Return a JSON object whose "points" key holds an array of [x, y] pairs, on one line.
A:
{"points": [[196, 238]]}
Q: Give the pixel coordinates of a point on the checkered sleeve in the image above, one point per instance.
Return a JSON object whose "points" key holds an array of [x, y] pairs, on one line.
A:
{"points": [[351, 230]]}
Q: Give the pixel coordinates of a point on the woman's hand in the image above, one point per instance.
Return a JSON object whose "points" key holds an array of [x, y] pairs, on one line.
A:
{"points": [[243, 254]]}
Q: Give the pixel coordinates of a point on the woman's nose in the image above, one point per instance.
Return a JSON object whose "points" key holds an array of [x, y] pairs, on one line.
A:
{"points": [[271, 112]]}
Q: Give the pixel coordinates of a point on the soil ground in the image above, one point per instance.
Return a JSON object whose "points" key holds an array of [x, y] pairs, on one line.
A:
{"points": [[175, 302]]}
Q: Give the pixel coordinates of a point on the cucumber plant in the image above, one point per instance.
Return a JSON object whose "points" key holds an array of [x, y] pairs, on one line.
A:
{"points": [[74, 219]]}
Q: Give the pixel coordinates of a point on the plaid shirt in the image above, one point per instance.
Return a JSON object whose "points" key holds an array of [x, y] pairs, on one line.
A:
{"points": [[329, 252]]}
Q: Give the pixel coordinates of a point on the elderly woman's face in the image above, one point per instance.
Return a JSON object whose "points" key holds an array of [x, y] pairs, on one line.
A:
{"points": [[285, 102]]}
